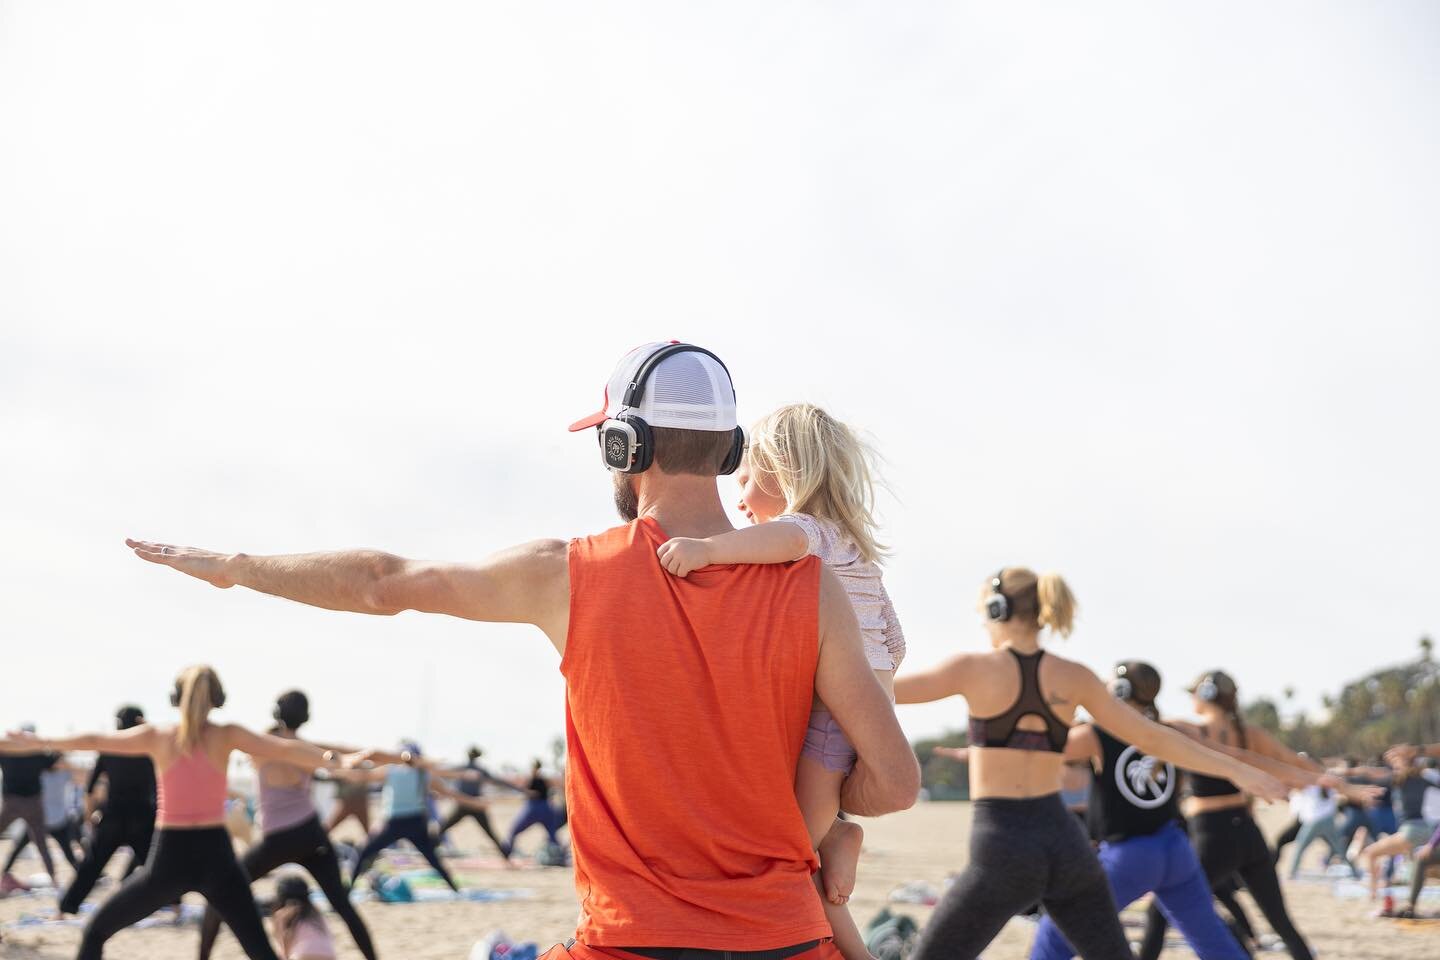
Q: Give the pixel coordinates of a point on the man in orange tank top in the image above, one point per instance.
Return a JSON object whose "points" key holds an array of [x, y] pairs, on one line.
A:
{"points": [[686, 699]]}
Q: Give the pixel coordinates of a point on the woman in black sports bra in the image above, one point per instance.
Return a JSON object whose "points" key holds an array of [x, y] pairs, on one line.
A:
{"points": [[1024, 846]]}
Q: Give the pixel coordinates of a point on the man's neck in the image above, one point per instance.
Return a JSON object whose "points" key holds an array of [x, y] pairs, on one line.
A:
{"points": [[684, 506]]}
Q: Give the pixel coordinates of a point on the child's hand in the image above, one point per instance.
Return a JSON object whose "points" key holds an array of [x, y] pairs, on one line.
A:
{"points": [[680, 555]]}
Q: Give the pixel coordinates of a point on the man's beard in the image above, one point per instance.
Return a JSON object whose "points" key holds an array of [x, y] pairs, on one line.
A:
{"points": [[626, 503]]}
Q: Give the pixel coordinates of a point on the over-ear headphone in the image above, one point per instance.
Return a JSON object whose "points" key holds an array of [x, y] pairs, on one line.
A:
{"points": [[217, 695], [1121, 687], [627, 442], [997, 605], [1207, 689]]}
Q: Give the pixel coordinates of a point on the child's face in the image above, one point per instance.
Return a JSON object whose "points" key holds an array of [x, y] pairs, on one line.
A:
{"points": [[757, 503]]}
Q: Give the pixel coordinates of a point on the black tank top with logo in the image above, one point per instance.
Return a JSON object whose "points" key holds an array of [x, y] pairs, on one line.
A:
{"points": [[1133, 794]]}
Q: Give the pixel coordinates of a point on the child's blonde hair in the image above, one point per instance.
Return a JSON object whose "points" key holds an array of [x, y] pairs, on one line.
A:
{"points": [[821, 467]]}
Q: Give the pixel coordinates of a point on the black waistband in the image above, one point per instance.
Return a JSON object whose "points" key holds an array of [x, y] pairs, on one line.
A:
{"points": [[691, 953]]}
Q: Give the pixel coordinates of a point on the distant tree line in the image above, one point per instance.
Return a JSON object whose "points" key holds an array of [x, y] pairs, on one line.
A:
{"points": [[1399, 704]]}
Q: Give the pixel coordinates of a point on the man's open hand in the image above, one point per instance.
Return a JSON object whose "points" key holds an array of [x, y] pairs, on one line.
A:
{"points": [[201, 564]]}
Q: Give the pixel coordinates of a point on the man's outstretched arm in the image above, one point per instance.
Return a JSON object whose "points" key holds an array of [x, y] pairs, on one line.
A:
{"points": [[525, 584]]}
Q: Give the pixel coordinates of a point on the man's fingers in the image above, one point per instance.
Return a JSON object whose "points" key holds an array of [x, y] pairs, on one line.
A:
{"points": [[153, 556]]}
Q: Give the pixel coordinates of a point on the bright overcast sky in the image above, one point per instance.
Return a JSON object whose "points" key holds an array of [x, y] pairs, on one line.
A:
{"points": [[1141, 292]]}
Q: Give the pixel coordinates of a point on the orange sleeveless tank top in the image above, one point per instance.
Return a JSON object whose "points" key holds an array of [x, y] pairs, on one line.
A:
{"points": [[686, 707]]}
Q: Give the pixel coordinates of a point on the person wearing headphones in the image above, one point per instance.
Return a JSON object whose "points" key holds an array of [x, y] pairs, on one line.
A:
{"points": [[1024, 845], [1135, 804], [700, 683], [290, 828], [125, 819], [470, 781], [1226, 837], [192, 850]]}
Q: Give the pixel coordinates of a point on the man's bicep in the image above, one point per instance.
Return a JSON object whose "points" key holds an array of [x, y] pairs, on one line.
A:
{"points": [[529, 583]]}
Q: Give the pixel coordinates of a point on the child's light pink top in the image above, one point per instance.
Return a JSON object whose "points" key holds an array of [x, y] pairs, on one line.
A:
{"points": [[879, 627]]}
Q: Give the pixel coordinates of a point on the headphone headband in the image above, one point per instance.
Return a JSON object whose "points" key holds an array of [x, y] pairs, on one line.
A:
{"points": [[635, 392]]}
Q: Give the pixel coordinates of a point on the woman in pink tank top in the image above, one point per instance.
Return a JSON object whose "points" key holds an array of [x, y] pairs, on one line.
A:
{"points": [[191, 851], [291, 829]]}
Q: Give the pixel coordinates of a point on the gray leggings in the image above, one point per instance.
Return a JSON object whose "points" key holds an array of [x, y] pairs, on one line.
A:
{"points": [[32, 811], [1023, 851]]}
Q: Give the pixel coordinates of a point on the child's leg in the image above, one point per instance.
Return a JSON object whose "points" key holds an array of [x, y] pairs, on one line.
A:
{"points": [[817, 788], [840, 847], [825, 762], [848, 939]]}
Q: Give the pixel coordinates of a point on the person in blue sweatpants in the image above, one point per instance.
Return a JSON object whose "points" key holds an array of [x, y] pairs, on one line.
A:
{"points": [[537, 810], [1135, 814], [1165, 864]]}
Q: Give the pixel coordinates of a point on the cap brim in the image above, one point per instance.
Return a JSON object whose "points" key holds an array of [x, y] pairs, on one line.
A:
{"points": [[594, 420]]}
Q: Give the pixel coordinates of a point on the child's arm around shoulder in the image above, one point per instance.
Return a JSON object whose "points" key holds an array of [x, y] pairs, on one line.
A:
{"points": [[778, 541]]}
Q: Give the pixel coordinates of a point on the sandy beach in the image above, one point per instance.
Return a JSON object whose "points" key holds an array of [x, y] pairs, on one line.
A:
{"points": [[923, 844]]}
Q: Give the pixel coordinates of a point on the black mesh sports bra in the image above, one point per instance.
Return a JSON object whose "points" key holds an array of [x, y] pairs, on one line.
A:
{"points": [[1001, 729], [1206, 786]]}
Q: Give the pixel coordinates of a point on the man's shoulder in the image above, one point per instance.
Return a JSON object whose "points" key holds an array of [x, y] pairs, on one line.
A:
{"points": [[621, 533]]}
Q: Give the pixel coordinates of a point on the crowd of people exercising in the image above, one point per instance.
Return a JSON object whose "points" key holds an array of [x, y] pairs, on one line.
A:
{"points": [[756, 673], [177, 832]]}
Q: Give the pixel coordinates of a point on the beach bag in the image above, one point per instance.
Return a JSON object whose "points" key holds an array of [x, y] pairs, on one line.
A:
{"points": [[553, 855], [891, 936], [393, 890]]}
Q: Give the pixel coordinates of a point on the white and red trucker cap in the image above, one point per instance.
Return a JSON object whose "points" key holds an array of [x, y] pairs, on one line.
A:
{"points": [[688, 390]]}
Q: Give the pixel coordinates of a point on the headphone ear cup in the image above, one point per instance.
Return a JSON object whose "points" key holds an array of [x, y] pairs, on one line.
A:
{"points": [[997, 608], [627, 444], [175, 696], [644, 445], [736, 454], [217, 696]]}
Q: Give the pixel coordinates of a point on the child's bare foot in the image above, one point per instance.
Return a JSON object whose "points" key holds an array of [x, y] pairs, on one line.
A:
{"points": [[840, 858]]}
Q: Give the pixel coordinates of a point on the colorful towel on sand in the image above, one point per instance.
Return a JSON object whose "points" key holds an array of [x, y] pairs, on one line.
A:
{"points": [[444, 894], [189, 913]]}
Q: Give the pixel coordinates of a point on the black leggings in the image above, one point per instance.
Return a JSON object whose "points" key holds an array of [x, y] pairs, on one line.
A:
{"points": [[1225, 891], [1228, 843], [64, 835], [412, 828], [305, 845], [183, 861], [1022, 851], [116, 829], [480, 817]]}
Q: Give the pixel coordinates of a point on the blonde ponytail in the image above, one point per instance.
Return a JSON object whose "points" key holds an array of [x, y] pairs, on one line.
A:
{"points": [[199, 692], [1057, 604], [822, 467]]}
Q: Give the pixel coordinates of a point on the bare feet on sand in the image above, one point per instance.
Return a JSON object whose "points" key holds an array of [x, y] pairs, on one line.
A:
{"points": [[839, 859]]}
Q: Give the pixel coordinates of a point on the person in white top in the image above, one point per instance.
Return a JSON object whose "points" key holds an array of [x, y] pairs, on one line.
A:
{"points": [[806, 484], [1315, 808]]}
